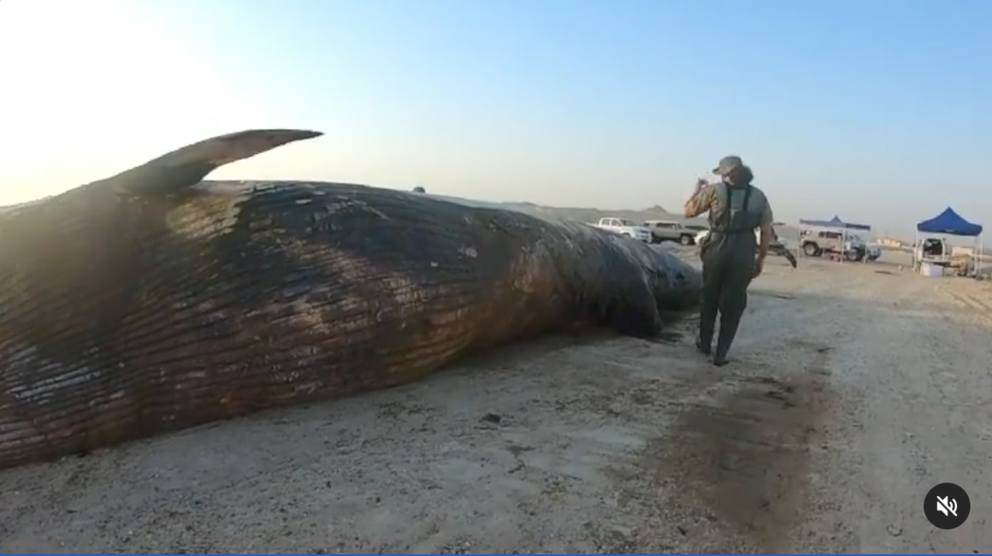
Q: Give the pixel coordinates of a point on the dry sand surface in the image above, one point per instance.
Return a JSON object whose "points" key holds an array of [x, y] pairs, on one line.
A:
{"points": [[855, 389]]}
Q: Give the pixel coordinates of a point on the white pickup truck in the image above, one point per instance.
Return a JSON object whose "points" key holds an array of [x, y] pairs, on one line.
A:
{"points": [[624, 227]]}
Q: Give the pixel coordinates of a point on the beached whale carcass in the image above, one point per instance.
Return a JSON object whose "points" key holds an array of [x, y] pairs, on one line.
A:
{"points": [[153, 301]]}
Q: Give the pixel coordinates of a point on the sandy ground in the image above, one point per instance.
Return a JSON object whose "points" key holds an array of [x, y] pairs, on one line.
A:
{"points": [[854, 390]]}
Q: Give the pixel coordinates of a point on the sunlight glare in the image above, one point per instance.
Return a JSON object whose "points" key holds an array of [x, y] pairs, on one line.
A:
{"points": [[91, 88]]}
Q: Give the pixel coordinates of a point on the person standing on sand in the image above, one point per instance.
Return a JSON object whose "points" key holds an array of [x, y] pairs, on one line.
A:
{"points": [[731, 254]]}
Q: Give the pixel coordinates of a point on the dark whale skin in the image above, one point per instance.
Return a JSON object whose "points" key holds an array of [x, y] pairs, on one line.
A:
{"points": [[153, 301]]}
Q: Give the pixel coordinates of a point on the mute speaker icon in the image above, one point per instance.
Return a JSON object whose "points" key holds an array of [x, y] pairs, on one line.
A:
{"points": [[945, 507]]}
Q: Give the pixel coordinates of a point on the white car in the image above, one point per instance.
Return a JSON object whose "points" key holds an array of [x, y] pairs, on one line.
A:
{"points": [[931, 250], [872, 250], [624, 227], [671, 230]]}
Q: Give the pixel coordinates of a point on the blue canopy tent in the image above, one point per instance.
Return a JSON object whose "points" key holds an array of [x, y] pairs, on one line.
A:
{"points": [[836, 222], [951, 223]]}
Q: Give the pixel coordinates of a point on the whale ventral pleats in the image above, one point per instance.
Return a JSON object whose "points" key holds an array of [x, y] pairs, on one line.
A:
{"points": [[187, 166]]}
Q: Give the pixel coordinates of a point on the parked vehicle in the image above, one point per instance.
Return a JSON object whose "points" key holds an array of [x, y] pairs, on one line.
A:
{"points": [[814, 242], [624, 227], [931, 250], [872, 250], [671, 230]]}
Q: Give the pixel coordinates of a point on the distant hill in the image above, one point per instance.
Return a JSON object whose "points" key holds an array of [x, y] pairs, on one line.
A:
{"points": [[581, 214], [593, 215], [576, 214]]}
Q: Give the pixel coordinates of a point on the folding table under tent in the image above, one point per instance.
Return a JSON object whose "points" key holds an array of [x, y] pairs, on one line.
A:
{"points": [[835, 223], [950, 223]]}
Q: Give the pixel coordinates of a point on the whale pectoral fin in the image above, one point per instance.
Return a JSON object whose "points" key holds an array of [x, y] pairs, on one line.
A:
{"points": [[635, 314], [791, 258], [187, 166]]}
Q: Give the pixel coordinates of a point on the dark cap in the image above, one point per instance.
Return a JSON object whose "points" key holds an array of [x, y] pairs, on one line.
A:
{"points": [[728, 164]]}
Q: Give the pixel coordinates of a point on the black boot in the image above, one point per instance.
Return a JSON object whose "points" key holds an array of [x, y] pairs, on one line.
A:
{"points": [[707, 322], [709, 308], [728, 329], [704, 341], [703, 346]]}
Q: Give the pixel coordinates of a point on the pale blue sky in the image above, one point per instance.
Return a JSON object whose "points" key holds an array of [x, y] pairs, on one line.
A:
{"points": [[876, 110]]}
